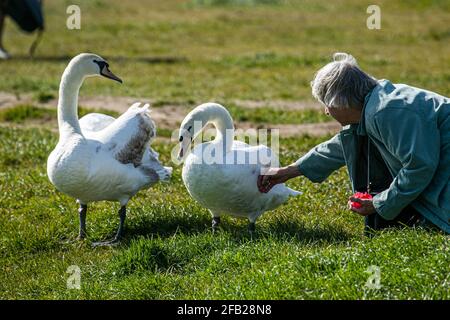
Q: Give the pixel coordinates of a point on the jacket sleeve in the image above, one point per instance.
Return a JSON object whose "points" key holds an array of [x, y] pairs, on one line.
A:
{"points": [[322, 160], [415, 142]]}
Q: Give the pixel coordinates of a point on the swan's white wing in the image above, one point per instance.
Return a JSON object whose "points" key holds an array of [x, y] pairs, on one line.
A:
{"points": [[125, 140], [109, 179], [242, 179], [128, 136], [231, 187], [94, 122], [240, 145], [260, 155]]}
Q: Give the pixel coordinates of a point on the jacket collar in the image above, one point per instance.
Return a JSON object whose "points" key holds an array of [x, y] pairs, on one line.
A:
{"points": [[361, 127]]}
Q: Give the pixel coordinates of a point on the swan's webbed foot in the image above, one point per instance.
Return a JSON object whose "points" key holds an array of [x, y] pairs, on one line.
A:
{"points": [[109, 243], [215, 224], [82, 214], [118, 237]]}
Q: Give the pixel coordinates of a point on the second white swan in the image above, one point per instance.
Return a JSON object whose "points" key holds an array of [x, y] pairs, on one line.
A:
{"points": [[215, 177]]}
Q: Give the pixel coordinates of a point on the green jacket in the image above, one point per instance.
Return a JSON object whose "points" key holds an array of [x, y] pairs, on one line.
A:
{"points": [[409, 131]]}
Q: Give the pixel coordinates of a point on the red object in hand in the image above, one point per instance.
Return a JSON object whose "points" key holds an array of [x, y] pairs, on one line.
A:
{"points": [[360, 195]]}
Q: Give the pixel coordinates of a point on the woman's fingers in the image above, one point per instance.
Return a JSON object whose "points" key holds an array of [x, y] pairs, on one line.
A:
{"points": [[349, 205], [269, 178], [262, 183], [360, 210], [364, 209], [259, 183], [355, 200], [266, 184]]}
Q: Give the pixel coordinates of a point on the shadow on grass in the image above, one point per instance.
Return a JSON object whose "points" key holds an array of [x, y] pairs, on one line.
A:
{"points": [[280, 230], [166, 226], [196, 246], [66, 58], [298, 231]]}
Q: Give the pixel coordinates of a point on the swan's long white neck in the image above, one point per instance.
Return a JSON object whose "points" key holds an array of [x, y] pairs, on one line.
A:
{"points": [[69, 88], [218, 116]]}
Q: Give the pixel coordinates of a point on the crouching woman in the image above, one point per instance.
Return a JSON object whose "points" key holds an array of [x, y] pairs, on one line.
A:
{"points": [[395, 142]]}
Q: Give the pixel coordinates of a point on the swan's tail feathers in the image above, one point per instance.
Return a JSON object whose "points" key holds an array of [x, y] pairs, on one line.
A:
{"points": [[293, 193], [284, 192], [153, 175], [165, 173]]}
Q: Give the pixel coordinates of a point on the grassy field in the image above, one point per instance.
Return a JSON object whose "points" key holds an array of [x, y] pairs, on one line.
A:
{"points": [[187, 52], [224, 52], [311, 248]]}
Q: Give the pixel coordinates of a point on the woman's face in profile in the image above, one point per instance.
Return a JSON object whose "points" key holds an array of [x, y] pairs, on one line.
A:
{"points": [[344, 116]]}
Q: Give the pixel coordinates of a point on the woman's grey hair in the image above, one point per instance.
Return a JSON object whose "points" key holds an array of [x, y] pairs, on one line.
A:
{"points": [[341, 83]]}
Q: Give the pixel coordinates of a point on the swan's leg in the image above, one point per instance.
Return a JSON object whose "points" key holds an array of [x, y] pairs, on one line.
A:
{"points": [[252, 222], [82, 214], [251, 227], [122, 216], [116, 240], [215, 223]]}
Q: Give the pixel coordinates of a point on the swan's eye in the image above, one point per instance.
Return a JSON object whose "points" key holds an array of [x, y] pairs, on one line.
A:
{"points": [[189, 129], [101, 64], [181, 138]]}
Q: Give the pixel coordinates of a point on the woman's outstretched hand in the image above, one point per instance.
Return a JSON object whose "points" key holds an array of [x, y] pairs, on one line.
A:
{"points": [[365, 206], [274, 176]]}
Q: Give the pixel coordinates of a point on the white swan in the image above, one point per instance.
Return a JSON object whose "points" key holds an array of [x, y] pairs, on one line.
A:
{"points": [[103, 158], [214, 177]]}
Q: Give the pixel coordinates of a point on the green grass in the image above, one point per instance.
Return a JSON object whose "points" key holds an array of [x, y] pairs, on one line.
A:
{"points": [[21, 113], [44, 96], [179, 52], [309, 249], [225, 50], [277, 116], [235, 2]]}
